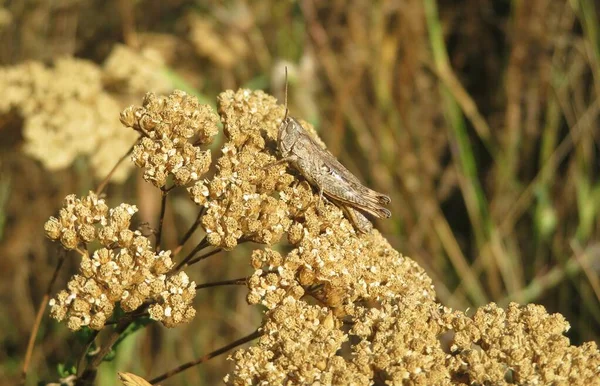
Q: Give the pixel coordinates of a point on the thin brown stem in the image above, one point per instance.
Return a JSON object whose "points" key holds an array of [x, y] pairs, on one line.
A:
{"points": [[161, 219], [82, 252], [89, 373], [201, 245], [206, 357], [112, 171], [39, 316], [239, 281], [139, 313], [86, 349], [170, 188], [202, 257], [190, 232], [189, 260]]}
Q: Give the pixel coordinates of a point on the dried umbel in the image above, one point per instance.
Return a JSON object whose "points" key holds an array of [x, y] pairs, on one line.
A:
{"points": [[346, 308], [298, 335], [359, 285], [172, 127], [342, 307], [126, 270], [241, 199], [398, 342], [135, 72], [522, 344], [66, 114], [78, 220]]}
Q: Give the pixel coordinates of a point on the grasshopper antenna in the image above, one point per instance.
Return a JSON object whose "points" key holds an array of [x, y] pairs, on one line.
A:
{"points": [[285, 94]]}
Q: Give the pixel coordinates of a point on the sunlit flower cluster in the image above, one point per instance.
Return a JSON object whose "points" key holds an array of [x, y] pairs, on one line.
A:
{"points": [[126, 270], [414, 342], [344, 307], [172, 127], [79, 217], [241, 199], [302, 339], [522, 344], [341, 271], [371, 292], [174, 301], [341, 307]]}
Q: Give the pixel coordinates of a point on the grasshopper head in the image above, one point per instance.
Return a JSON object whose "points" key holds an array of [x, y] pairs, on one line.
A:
{"points": [[287, 135]]}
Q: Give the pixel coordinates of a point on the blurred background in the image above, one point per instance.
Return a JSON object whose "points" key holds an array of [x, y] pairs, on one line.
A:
{"points": [[478, 117]]}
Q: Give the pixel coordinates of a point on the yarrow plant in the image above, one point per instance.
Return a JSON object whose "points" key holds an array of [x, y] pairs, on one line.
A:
{"points": [[68, 109], [126, 269], [340, 307]]}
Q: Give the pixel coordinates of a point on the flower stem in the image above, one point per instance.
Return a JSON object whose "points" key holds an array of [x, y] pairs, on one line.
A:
{"points": [[190, 232], [206, 357], [163, 206], [239, 281], [113, 170], [201, 245], [38, 318]]}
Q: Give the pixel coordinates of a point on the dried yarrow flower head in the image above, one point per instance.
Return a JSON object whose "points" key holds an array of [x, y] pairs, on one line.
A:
{"points": [[384, 304], [77, 220], [341, 307], [520, 345], [172, 128], [246, 199], [348, 277], [298, 335], [398, 342], [126, 270], [386, 323], [135, 72], [66, 113]]}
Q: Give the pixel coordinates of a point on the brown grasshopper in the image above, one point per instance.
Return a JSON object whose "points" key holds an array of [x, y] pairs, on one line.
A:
{"points": [[322, 170]]}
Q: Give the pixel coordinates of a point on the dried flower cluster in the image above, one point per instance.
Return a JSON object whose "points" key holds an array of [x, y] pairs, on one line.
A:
{"points": [[221, 44], [366, 287], [66, 113], [76, 221], [135, 73], [250, 198], [168, 124], [400, 341], [341, 307], [346, 308], [126, 269], [522, 344], [300, 336]]}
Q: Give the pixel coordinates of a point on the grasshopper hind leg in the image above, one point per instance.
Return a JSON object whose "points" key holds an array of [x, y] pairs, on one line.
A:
{"points": [[360, 222]]}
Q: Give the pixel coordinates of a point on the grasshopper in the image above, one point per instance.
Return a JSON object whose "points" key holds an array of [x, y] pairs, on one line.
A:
{"points": [[323, 171]]}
